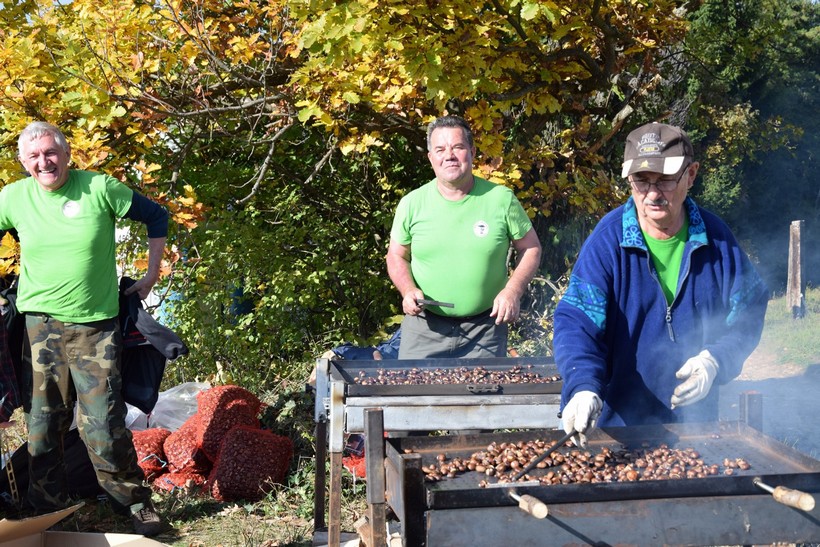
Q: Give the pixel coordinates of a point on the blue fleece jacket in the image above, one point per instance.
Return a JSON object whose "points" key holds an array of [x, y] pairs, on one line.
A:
{"points": [[615, 335]]}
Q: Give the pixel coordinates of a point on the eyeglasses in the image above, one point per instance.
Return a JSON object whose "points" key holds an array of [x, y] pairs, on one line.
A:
{"points": [[662, 185]]}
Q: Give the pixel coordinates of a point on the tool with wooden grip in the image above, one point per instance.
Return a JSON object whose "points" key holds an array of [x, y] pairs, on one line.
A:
{"points": [[527, 503], [531, 505], [787, 496]]}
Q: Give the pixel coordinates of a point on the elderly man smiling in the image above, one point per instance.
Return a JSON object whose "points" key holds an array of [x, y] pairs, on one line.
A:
{"points": [[68, 289]]}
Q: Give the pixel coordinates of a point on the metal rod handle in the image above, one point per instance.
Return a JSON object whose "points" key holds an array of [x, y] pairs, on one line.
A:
{"points": [[530, 466], [787, 496]]}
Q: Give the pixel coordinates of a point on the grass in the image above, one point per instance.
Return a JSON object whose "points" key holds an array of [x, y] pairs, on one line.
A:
{"points": [[791, 340], [284, 517]]}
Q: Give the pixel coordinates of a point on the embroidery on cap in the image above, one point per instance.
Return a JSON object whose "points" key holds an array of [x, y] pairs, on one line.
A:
{"points": [[650, 145]]}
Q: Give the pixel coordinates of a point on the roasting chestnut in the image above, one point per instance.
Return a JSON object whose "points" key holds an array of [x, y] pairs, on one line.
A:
{"points": [[505, 459]]}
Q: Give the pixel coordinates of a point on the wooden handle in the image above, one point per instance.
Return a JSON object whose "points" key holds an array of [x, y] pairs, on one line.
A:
{"points": [[532, 505], [794, 498]]}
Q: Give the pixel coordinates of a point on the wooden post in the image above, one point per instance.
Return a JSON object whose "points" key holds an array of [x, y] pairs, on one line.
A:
{"points": [[796, 288]]}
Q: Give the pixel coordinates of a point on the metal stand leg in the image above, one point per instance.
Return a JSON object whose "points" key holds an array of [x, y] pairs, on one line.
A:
{"points": [[374, 450], [336, 447], [320, 480]]}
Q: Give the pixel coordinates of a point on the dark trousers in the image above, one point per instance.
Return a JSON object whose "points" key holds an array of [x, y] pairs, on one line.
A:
{"points": [[428, 336]]}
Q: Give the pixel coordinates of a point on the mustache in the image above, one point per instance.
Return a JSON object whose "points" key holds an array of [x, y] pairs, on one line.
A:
{"points": [[656, 202]]}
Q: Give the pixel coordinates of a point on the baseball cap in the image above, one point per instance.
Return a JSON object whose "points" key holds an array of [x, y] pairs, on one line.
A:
{"points": [[656, 147]]}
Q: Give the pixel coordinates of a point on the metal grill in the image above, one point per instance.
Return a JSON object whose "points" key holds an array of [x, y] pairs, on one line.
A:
{"points": [[716, 510], [341, 403]]}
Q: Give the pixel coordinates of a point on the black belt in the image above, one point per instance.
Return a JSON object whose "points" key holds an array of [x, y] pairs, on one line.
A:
{"points": [[482, 315], [44, 316]]}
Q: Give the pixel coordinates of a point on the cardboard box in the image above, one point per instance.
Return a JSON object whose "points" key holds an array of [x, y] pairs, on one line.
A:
{"points": [[33, 532]]}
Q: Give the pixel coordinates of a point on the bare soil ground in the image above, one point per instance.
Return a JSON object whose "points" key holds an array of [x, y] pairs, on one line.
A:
{"points": [[762, 365]]}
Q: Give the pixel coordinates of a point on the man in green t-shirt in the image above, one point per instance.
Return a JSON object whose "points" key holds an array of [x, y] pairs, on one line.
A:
{"points": [[65, 219], [449, 243]]}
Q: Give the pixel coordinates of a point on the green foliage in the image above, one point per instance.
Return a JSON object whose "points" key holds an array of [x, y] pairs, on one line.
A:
{"points": [[793, 340], [299, 125], [751, 79], [297, 270], [289, 411], [720, 190]]}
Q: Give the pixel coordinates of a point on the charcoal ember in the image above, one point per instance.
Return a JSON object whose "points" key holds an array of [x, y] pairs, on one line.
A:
{"points": [[220, 409], [192, 483], [182, 450], [250, 462], [149, 444], [461, 375]]}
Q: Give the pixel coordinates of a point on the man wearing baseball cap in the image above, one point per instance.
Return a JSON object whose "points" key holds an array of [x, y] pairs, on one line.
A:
{"points": [[662, 306]]}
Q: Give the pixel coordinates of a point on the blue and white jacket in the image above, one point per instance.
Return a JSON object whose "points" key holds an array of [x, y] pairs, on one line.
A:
{"points": [[615, 335]]}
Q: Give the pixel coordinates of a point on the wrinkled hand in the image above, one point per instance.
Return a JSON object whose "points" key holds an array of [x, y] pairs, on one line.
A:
{"points": [[698, 374], [506, 307], [581, 415]]}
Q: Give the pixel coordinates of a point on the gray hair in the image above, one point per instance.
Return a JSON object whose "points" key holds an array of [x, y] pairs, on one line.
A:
{"points": [[450, 121], [35, 130]]}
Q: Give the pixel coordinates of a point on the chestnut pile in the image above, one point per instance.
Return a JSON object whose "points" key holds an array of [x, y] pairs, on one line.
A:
{"points": [[504, 460], [461, 375]]}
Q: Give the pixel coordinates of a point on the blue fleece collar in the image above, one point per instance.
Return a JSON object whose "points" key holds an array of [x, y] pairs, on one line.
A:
{"points": [[631, 229]]}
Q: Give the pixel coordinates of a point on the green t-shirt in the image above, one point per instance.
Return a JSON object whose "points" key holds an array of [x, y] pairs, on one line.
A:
{"points": [[67, 262], [667, 255], [459, 248]]}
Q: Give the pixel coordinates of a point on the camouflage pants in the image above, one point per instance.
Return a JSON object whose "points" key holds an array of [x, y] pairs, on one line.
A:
{"points": [[79, 361]]}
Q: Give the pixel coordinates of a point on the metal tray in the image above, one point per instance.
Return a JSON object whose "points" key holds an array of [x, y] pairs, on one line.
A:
{"points": [[775, 463], [348, 371]]}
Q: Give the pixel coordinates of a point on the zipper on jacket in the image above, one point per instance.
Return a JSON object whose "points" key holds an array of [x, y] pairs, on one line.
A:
{"points": [[686, 264], [669, 323], [654, 274]]}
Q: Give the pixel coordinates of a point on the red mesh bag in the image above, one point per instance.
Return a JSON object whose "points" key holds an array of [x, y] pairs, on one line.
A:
{"points": [[356, 466], [150, 451], [190, 482], [249, 462], [220, 409], [183, 452]]}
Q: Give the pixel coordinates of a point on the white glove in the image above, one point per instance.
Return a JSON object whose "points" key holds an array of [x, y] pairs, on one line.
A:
{"points": [[581, 415], [698, 374]]}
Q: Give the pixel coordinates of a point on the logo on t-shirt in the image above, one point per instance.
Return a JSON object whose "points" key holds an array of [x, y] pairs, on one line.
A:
{"points": [[481, 228], [71, 209]]}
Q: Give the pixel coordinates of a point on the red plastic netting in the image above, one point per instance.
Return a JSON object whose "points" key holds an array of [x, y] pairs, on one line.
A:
{"points": [[250, 461], [150, 451], [220, 409], [356, 466], [182, 450], [191, 482]]}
